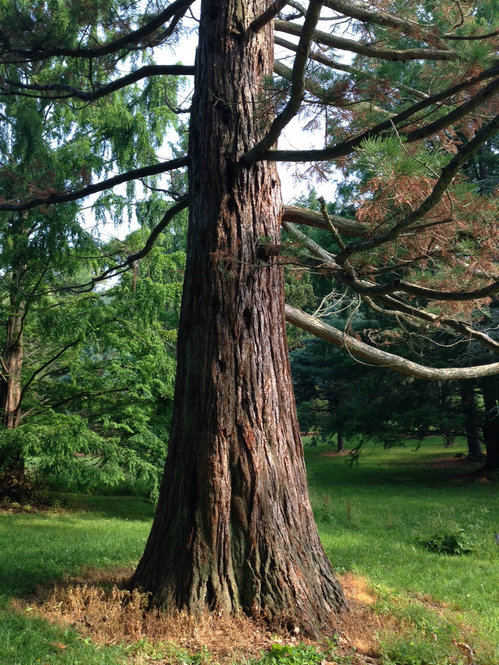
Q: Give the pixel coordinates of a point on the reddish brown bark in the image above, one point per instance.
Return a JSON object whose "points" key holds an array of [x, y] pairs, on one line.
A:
{"points": [[234, 528]]}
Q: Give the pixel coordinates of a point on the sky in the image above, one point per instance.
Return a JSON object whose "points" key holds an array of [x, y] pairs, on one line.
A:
{"points": [[296, 179]]}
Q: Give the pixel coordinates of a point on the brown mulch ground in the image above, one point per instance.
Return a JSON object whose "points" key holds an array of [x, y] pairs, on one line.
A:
{"points": [[93, 605]]}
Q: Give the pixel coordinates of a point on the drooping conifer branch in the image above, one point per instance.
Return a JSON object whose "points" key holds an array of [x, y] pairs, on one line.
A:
{"points": [[119, 268], [51, 90], [175, 11], [64, 197]]}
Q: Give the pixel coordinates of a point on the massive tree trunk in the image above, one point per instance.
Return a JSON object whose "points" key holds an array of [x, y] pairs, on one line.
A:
{"points": [[234, 528]]}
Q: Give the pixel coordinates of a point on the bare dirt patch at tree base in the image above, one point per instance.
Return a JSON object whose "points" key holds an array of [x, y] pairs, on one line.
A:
{"points": [[96, 606]]}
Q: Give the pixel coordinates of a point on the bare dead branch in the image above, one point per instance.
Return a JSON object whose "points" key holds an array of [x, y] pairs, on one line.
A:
{"points": [[472, 37], [314, 248], [382, 358], [349, 227], [401, 286]]}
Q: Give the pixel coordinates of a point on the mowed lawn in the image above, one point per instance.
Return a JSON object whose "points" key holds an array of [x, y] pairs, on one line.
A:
{"points": [[374, 519]]}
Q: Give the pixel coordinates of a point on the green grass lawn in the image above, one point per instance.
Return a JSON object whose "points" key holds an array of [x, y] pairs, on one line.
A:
{"points": [[99, 532], [373, 518]]}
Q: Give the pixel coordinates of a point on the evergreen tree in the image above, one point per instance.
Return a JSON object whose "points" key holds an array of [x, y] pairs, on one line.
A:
{"points": [[234, 528]]}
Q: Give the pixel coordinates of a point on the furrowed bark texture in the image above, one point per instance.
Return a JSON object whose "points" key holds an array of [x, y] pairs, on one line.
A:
{"points": [[234, 529]]}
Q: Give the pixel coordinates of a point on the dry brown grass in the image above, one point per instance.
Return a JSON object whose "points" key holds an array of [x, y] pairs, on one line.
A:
{"points": [[97, 607]]}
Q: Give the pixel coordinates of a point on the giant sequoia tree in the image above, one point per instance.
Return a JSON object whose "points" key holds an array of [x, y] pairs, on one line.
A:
{"points": [[234, 529]]}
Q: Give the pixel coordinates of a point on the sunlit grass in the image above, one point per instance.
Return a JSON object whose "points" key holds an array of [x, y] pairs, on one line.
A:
{"points": [[373, 518]]}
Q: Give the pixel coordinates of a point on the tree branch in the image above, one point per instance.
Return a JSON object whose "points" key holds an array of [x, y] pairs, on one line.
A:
{"points": [[349, 227], [446, 177], [35, 410], [363, 49], [400, 286], [397, 307], [342, 67], [174, 11], [328, 96], [136, 256], [297, 87], [41, 368], [348, 146], [64, 197], [382, 358], [92, 95], [268, 15]]}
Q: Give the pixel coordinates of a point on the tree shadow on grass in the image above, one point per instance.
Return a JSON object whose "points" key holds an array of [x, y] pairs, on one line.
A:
{"points": [[121, 507], [36, 548]]}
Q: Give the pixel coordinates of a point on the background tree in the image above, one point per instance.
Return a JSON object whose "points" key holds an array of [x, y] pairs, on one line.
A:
{"points": [[98, 380], [233, 516], [45, 147]]}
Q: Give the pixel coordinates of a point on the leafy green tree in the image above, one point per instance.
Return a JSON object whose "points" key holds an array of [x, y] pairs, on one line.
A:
{"points": [[48, 146], [100, 385]]}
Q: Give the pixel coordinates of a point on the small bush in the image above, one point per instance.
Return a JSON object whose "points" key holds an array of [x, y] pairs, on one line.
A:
{"points": [[18, 486], [456, 543]]}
